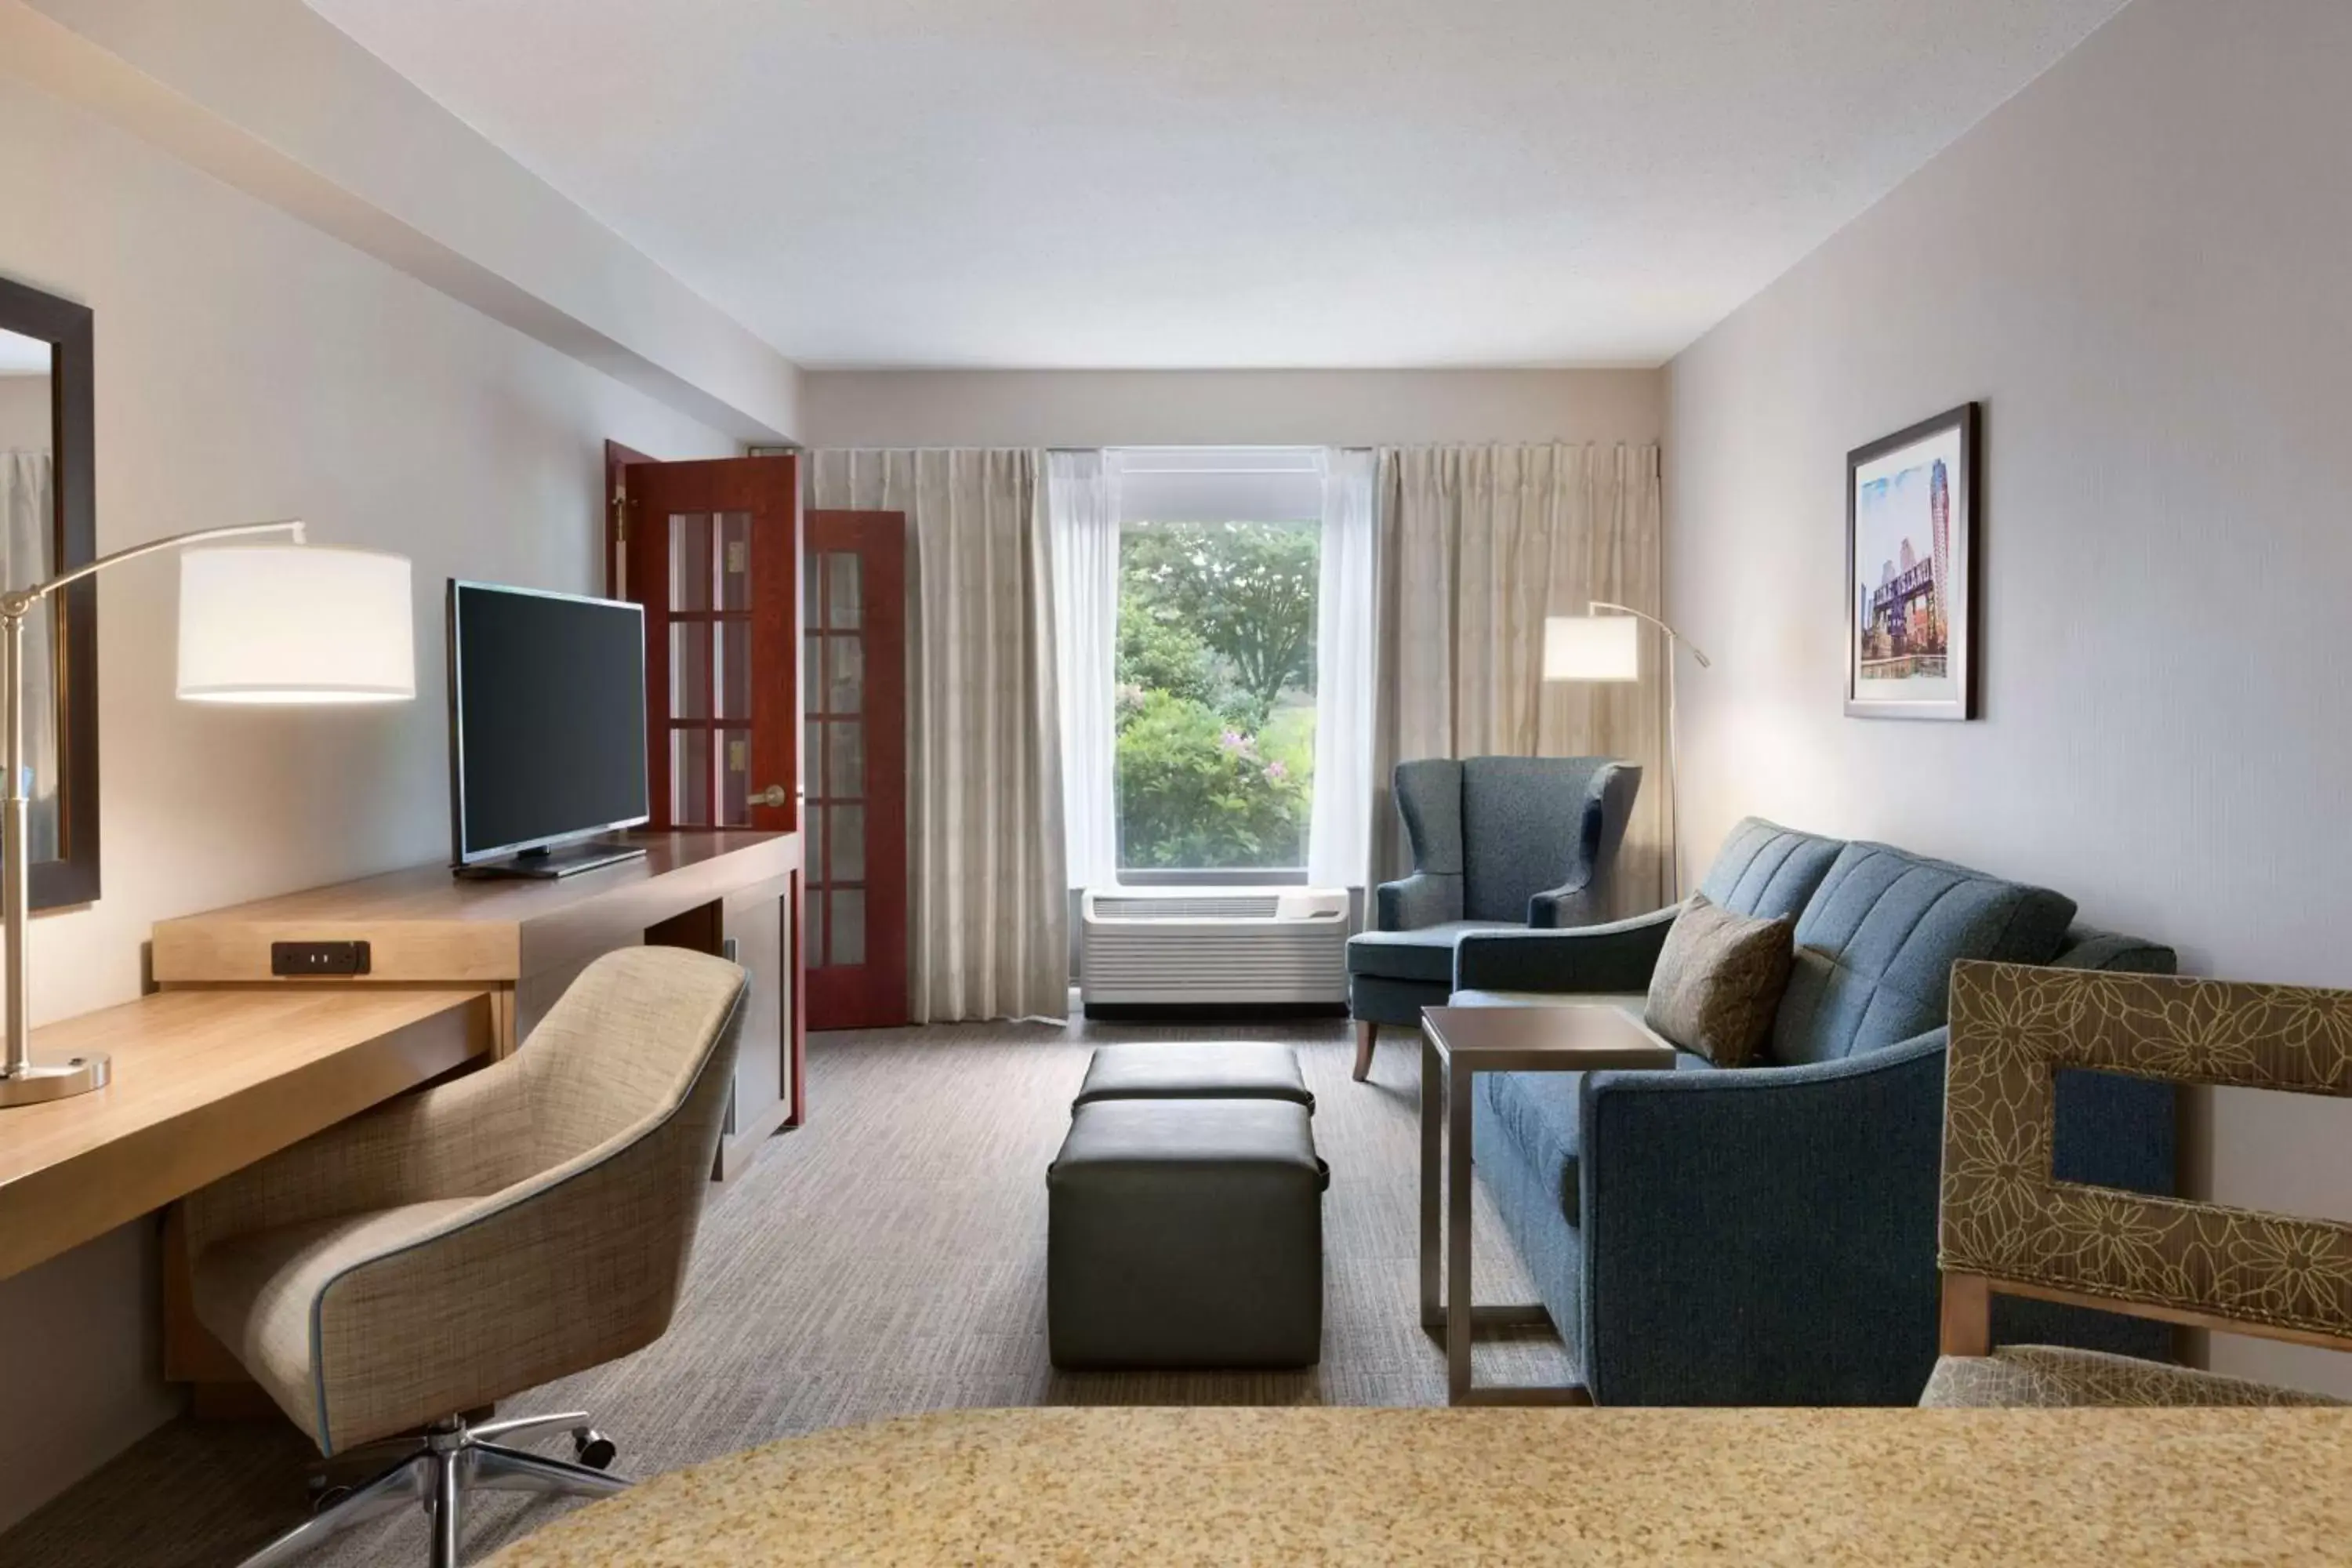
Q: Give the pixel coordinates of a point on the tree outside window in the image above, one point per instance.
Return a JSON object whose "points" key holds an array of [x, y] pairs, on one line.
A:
{"points": [[1216, 694]]}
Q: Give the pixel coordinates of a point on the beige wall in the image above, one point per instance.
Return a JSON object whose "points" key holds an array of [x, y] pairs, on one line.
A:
{"points": [[249, 367], [23, 413], [2139, 265], [1218, 408]]}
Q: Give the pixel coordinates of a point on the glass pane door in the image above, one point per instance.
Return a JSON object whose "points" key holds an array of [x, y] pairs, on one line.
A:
{"points": [[712, 549], [710, 678], [853, 751], [834, 849]]}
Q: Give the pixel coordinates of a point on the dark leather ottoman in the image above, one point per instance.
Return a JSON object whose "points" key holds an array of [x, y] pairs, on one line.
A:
{"points": [[1195, 1069], [1185, 1233]]}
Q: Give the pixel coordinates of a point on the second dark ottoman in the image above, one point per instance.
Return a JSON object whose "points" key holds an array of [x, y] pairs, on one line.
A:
{"points": [[1195, 1069]]}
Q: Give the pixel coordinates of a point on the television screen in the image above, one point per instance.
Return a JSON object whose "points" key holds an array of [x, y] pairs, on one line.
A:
{"points": [[547, 705]]}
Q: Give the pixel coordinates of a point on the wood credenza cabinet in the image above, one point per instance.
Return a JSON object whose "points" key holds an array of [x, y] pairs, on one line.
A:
{"points": [[727, 892]]}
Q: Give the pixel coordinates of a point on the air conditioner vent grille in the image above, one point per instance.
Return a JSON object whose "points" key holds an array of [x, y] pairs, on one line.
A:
{"points": [[1221, 945], [1205, 906]]}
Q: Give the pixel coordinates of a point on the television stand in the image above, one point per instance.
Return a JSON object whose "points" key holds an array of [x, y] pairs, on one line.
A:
{"points": [[560, 860]]}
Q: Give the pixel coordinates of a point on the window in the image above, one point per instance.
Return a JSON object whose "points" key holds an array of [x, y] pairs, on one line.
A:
{"points": [[1216, 696]]}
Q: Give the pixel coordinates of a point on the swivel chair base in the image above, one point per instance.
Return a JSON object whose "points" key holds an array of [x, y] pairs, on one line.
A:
{"points": [[435, 1472]]}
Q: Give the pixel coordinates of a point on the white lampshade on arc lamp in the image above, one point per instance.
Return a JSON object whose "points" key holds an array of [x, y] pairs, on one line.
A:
{"points": [[294, 624], [275, 623], [1592, 647], [1606, 646]]}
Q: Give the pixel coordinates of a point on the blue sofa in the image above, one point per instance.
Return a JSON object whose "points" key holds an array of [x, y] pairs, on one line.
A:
{"points": [[1766, 1234], [1499, 843]]}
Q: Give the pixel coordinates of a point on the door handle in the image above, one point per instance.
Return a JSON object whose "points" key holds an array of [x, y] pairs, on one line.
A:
{"points": [[774, 795]]}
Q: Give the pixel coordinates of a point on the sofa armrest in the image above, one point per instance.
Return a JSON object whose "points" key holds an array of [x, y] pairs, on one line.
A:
{"points": [[1618, 956], [2086, 947], [1764, 1235], [1424, 898]]}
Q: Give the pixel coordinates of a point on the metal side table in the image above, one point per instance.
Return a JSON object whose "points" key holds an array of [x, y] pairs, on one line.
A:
{"points": [[1456, 1043]]}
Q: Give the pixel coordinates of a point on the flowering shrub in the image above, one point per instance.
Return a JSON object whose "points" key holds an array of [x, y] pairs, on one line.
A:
{"points": [[1197, 794], [1216, 713]]}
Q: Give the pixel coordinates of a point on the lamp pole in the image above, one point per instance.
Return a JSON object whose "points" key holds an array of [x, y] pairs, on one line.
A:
{"points": [[25, 1078], [1674, 762]]}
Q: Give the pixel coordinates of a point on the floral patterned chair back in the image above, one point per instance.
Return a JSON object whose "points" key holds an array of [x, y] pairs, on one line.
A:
{"points": [[2009, 1228]]}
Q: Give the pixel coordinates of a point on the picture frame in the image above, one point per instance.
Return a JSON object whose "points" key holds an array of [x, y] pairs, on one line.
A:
{"points": [[1911, 578]]}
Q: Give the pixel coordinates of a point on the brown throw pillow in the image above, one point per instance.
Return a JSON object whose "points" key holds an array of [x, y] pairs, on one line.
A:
{"points": [[1718, 981]]}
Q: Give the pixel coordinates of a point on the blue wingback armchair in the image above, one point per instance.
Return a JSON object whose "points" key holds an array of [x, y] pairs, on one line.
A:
{"points": [[1498, 843], [1766, 1234]]}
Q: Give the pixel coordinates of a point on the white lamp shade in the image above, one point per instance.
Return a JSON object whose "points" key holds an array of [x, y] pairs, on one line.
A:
{"points": [[1592, 648], [295, 623]]}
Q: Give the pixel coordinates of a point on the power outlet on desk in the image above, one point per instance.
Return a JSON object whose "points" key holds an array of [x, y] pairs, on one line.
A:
{"points": [[320, 958]]}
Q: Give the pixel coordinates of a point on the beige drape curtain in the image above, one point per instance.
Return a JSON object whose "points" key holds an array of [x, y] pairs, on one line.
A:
{"points": [[1478, 544], [989, 936]]}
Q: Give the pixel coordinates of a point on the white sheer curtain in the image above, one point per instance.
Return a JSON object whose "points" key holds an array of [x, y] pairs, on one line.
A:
{"points": [[1339, 835], [1477, 545], [990, 932], [1082, 501], [26, 516]]}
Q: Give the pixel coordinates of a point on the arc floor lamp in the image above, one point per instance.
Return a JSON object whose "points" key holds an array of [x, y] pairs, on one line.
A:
{"points": [[1605, 645], [277, 623]]}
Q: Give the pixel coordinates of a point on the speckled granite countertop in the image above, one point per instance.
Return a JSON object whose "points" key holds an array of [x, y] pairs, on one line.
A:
{"points": [[1819, 1487]]}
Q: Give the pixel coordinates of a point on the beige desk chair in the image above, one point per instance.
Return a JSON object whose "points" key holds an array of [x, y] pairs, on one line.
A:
{"points": [[450, 1249], [2009, 1228]]}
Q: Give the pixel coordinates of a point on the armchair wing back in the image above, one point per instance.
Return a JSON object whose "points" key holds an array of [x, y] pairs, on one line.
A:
{"points": [[1513, 840], [458, 1247], [1539, 835], [1429, 799]]}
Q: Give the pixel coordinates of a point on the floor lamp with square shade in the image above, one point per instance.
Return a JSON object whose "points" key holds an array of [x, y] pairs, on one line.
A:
{"points": [[276, 623], [1605, 645]]}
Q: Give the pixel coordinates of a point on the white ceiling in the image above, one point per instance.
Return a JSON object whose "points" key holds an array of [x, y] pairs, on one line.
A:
{"points": [[1223, 183]]}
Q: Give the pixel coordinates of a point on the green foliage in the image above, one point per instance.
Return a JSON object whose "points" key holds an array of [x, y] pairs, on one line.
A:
{"points": [[1246, 588], [1160, 651], [1216, 721]]}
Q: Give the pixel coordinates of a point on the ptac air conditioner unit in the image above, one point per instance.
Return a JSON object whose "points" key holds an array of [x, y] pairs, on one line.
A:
{"points": [[1214, 952]]}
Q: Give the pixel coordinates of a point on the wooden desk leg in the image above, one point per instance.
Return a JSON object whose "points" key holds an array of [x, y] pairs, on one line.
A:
{"points": [[191, 1353], [1433, 1151], [1966, 1328], [502, 1023]]}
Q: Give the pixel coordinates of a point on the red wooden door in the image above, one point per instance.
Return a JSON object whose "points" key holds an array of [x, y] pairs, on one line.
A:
{"points": [[854, 615], [713, 550]]}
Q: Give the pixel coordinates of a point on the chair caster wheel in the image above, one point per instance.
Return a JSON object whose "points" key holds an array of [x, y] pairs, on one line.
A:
{"points": [[592, 1448], [324, 1497]]}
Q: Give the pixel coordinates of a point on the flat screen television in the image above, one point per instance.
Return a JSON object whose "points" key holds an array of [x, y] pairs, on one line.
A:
{"points": [[547, 728]]}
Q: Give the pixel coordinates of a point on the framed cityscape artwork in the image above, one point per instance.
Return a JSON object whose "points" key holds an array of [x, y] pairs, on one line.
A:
{"points": [[1910, 571]]}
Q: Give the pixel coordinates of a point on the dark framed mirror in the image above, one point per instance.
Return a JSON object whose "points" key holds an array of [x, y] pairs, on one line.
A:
{"points": [[48, 525]]}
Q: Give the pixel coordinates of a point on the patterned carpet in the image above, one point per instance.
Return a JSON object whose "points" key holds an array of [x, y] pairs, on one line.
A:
{"points": [[889, 1257]]}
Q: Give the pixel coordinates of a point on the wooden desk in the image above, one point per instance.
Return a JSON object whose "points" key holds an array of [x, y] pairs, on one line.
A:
{"points": [[732, 893], [204, 1083], [228, 1063]]}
